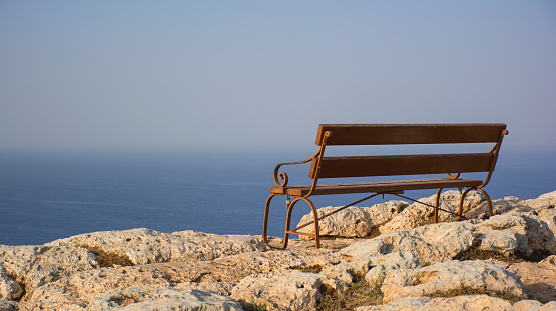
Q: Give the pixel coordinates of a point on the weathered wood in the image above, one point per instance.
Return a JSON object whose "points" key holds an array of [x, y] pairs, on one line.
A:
{"points": [[334, 167], [376, 187], [394, 134], [390, 165]]}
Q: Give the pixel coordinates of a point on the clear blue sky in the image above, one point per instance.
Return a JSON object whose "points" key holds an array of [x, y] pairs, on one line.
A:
{"points": [[190, 75]]}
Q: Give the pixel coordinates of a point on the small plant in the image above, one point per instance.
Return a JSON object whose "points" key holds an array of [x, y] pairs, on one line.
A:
{"points": [[465, 290], [361, 293], [310, 269], [253, 306]]}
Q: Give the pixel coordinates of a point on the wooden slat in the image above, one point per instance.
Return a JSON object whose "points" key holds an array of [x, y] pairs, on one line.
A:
{"points": [[335, 167], [394, 134], [377, 187]]}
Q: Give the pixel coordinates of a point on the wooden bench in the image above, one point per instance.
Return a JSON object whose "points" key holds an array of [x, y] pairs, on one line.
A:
{"points": [[389, 165]]}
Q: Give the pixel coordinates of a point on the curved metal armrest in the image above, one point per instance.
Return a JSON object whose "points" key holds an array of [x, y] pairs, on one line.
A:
{"points": [[283, 176]]}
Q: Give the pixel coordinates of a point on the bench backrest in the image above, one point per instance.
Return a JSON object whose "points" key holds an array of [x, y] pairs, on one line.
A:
{"points": [[396, 134]]}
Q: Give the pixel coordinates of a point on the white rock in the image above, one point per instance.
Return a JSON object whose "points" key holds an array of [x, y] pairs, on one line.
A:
{"points": [[450, 275], [9, 288], [353, 221], [530, 233], [82, 287], [395, 260], [431, 244], [152, 298], [292, 290], [549, 216], [470, 303], [499, 206], [543, 201], [418, 214], [38, 265], [144, 246]]}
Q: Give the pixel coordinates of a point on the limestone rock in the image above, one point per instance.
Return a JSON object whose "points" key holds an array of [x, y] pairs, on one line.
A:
{"points": [[151, 298], [533, 305], [549, 216], [500, 206], [291, 290], [7, 305], [464, 303], [519, 232], [353, 221], [144, 246], [450, 275], [34, 306], [418, 214], [81, 288], [38, 265], [431, 244], [279, 260], [395, 260], [539, 278], [17, 260], [9, 288], [546, 200]]}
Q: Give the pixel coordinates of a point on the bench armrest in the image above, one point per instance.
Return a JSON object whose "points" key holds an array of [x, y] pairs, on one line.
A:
{"points": [[283, 176]]}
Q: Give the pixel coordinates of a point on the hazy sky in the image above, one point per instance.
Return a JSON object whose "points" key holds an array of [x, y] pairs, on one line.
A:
{"points": [[202, 74]]}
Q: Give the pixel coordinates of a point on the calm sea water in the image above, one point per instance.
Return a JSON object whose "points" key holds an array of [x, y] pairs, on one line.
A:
{"points": [[44, 197]]}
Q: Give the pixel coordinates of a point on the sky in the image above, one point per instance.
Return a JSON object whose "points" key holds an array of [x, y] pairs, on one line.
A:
{"points": [[192, 75]]}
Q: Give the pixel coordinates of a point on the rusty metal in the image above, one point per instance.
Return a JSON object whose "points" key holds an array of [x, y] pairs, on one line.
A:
{"points": [[287, 231], [405, 134], [437, 206], [429, 205]]}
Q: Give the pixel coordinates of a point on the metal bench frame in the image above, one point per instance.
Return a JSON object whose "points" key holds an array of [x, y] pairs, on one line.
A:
{"points": [[389, 134]]}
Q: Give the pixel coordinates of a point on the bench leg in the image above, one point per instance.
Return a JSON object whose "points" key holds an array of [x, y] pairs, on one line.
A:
{"points": [[288, 218], [265, 222], [437, 205], [460, 210], [489, 201]]}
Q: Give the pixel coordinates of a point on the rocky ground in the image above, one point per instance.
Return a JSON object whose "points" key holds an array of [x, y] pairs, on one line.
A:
{"points": [[506, 262]]}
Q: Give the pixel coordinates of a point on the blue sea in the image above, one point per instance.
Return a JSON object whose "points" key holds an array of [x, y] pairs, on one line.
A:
{"points": [[48, 196]]}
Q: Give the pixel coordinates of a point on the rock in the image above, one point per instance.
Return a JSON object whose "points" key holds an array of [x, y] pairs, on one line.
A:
{"points": [[34, 306], [471, 303], [480, 302], [353, 221], [515, 231], [547, 200], [280, 260], [448, 276], [539, 278], [81, 288], [395, 260], [6, 305], [143, 246], [549, 216], [431, 244], [9, 288], [418, 214], [291, 290], [17, 260], [38, 265], [533, 305], [151, 298], [499, 206]]}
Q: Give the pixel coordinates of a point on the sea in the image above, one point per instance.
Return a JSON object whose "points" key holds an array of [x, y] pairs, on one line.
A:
{"points": [[46, 196]]}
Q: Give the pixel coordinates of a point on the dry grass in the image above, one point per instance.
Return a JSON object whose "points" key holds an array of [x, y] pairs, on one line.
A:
{"points": [[361, 293], [464, 291], [475, 253], [108, 259]]}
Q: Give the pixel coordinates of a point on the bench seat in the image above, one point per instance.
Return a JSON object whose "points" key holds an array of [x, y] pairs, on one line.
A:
{"points": [[362, 163], [377, 187]]}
